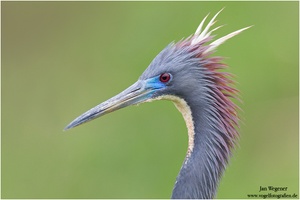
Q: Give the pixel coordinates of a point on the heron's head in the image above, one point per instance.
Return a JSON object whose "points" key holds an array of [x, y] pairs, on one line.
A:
{"points": [[174, 73]]}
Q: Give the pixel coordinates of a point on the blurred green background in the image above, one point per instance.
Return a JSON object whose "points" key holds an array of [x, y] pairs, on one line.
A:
{"points": [[61, 58]]}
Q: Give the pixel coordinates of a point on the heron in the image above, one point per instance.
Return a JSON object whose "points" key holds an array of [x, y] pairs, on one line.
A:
{"points": [[187, 74]]}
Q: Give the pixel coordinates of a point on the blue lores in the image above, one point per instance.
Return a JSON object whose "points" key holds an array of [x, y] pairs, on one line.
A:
{"points": [[158, 82]]}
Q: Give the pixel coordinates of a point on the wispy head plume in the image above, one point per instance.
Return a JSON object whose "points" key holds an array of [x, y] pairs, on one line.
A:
{"points": [[204, 36]]}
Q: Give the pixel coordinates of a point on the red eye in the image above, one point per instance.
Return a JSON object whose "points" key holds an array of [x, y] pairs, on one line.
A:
{"points": [[165, 77]]}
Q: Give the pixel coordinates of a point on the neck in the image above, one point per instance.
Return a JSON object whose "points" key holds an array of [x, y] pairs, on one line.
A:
{"points": [[207, 155]]}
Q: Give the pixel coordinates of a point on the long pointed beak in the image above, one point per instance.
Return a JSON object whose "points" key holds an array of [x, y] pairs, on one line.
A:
{"points": [[135, 94]]}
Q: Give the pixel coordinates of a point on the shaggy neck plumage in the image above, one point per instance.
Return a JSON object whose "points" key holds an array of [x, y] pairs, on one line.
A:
{"points": [[205, 163]]}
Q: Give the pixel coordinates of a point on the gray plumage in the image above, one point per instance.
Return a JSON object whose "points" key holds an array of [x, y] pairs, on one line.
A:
{"points": [[187, 74]]}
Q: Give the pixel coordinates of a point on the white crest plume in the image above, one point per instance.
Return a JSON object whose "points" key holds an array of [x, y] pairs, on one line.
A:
{"points": [[200, 36]]}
